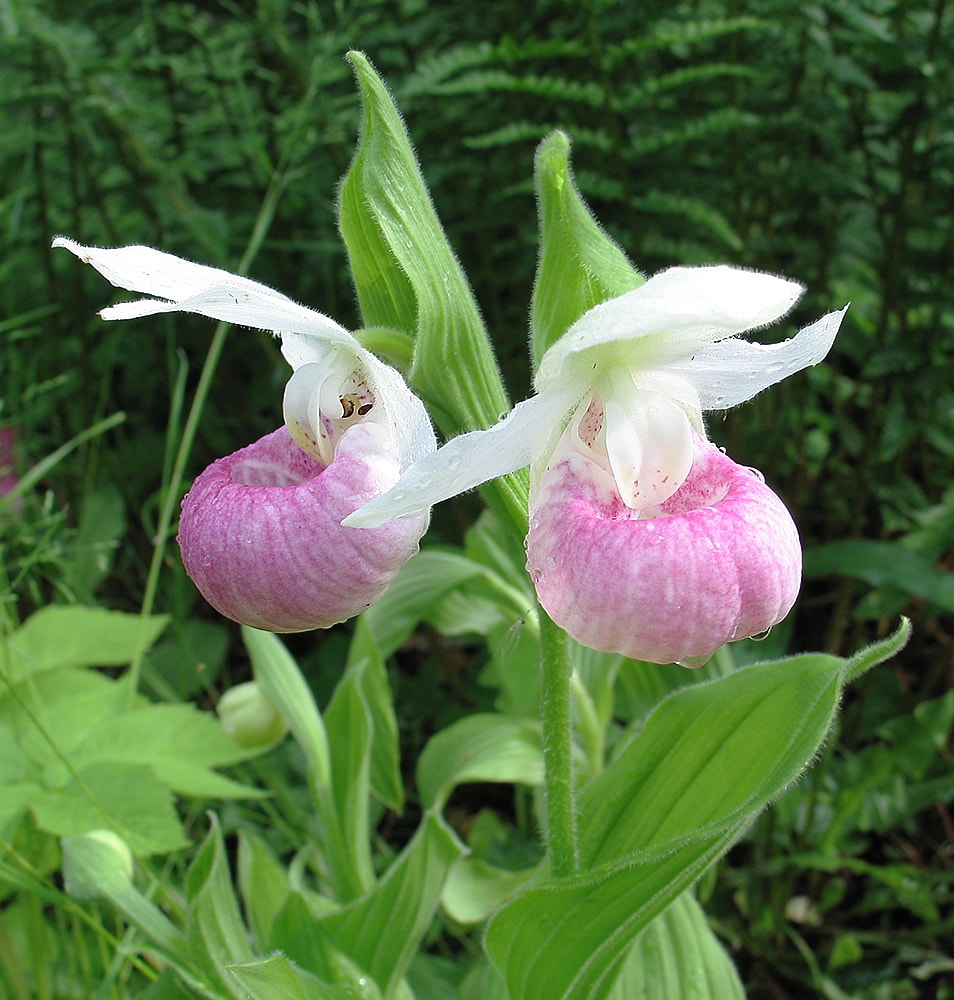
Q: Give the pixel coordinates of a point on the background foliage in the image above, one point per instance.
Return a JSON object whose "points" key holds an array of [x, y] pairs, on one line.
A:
{"points": [[817, 142]]}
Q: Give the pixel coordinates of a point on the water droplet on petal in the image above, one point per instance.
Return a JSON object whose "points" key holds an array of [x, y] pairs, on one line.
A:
{"points": [[692, 662]]}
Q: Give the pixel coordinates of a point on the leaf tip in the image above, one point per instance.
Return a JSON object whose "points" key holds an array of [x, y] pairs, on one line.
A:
{"points": [[877, 652]]}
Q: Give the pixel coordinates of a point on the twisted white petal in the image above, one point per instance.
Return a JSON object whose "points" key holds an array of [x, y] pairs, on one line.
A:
{"points": [[731, 371], [523, 436]]}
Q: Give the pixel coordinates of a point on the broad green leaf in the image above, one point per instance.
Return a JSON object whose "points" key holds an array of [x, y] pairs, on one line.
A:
{"points": [[276, 978], [282, 682], [298, 933], [481, 747], [579, 265], [710, 756], [348, 724], [382, 930], [421, 584], [14, 765], [60, 636], [708, 759], [216, 934], [52, 713], [340, 780], [178, 742], [263, 885], [189, 657], [372, 678], [567, 940], [483, 982], [14, 799], [123, 797], [678, 955], [474, 889], [877, 652], [407, 278]]}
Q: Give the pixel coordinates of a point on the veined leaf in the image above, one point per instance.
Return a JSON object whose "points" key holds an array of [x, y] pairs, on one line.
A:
{"points": [[708, 759], [480, 748], [678, 955], [214, 928], [382, 930], [61, 636]]}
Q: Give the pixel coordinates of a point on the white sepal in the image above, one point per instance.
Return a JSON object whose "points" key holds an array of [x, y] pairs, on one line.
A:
{"points": [[183, 286], [668, 318]]}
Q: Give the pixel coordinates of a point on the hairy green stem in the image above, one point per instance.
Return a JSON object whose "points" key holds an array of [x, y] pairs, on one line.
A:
{"points": [[558, 749]]}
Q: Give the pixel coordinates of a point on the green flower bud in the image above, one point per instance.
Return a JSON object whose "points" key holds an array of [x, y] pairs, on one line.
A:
{"points": [[249, 717], [96, 864]]}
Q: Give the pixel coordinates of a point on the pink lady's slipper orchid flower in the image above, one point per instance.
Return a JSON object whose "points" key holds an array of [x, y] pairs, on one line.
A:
{"points": [[644, 538], [260, 530]]}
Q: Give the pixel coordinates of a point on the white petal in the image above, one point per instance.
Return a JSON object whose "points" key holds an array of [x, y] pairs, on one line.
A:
{"points": [[648, 443], [183, 286], [669, 317], [732, 371], [471, 459]]}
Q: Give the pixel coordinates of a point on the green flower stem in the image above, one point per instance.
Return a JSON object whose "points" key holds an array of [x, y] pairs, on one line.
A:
{"points": [[558, 749]]}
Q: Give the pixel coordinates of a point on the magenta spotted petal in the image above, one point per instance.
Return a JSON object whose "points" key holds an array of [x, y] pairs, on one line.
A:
{"points": [[720, 560], [262, 539]]}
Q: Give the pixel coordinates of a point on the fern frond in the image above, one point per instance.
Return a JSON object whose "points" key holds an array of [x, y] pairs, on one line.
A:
{"points": [[593, 185], [692, 130], [508, 135], [429, 73], [653, 87], [516, 132], [672, 34], [666, 203], [510, 50], [555, 88]]}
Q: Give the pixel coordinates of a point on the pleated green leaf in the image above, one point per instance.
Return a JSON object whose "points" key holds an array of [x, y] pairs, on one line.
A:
{"points": [[480, 747], [408, 279], [383, 930], [678, 955], [298, 933], [709, 758], [567, 939], [276, 978], [350, 736], [281, 681], [214, 928], [366, 665], [580, 265]]}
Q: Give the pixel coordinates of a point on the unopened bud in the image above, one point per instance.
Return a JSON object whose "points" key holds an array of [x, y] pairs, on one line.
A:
{"points": [[249, 717]]}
